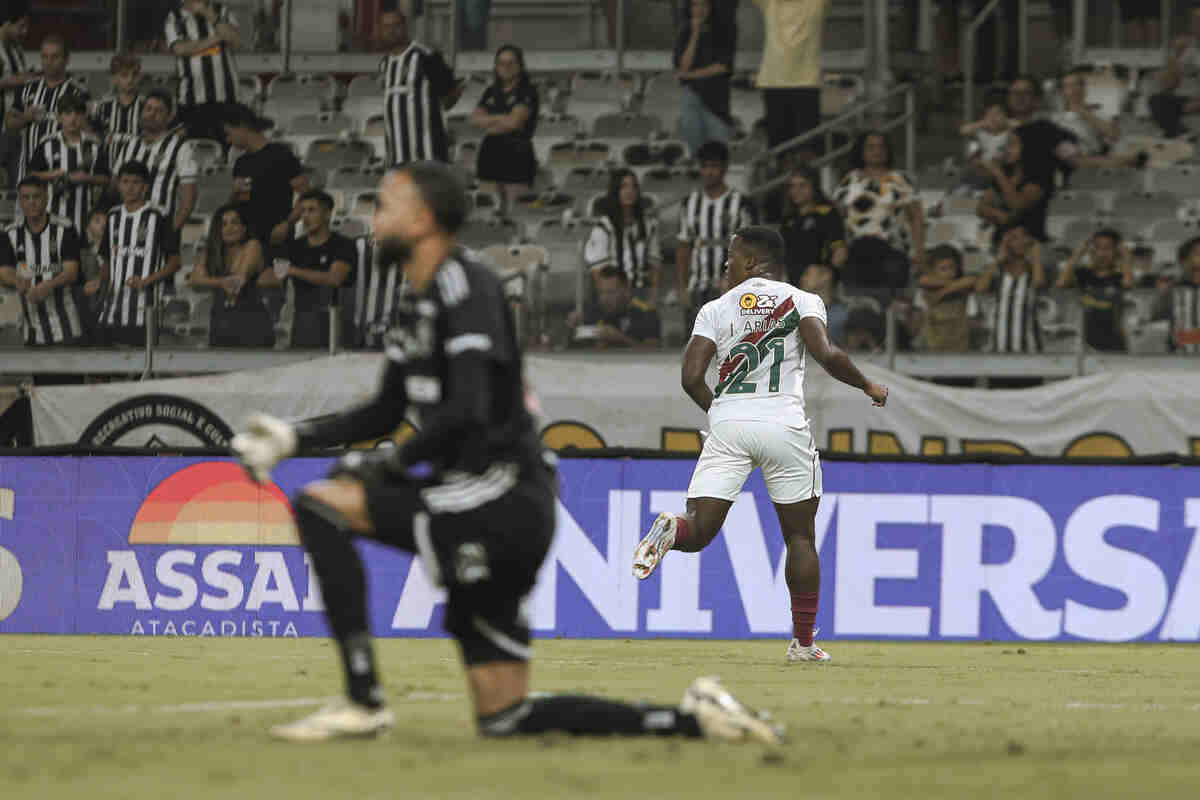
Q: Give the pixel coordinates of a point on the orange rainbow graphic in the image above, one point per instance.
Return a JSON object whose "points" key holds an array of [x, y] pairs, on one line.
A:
{"points": [[214, 503]]}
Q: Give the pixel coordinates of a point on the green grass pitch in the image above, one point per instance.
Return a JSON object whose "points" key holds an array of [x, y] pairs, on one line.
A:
{"points": [[124, 717]]}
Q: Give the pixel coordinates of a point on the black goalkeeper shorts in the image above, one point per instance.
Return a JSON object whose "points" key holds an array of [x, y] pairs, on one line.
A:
{"points": [[483, 539]]}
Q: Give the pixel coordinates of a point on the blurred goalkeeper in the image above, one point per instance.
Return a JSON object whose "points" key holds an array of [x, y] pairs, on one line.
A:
{"points": [[481, 523]]}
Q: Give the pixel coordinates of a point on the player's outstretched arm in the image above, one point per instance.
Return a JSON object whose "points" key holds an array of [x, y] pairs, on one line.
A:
{"points": [[835, 361], [696, 358], [378, 417]]}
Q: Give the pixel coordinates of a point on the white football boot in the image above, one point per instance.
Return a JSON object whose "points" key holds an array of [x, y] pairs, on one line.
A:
{"points": [[654, 546], [797, 652], [340, 720], [723, 716]]}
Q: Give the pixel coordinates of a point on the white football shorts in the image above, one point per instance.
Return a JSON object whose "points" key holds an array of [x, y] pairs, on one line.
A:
{"points": [[787, 456]]}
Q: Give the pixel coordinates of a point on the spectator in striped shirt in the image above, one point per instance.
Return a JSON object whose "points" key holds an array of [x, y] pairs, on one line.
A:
{"points": [[39, 257], [14, 74], [35, 111], [1015, 278], [168, 155], [140, 249], [418, 85], [120, 114], [626, 237], [202, 35], [73, 162], [710, 216]]}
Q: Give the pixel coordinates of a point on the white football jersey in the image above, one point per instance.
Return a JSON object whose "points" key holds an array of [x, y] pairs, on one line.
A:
{"points": [[759, 350]]}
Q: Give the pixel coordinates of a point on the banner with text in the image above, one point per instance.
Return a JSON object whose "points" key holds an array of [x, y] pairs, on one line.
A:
{"points": [[174, 546], [594, 400]]}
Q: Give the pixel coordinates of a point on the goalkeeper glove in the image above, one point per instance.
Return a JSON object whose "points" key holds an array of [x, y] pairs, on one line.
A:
{"points": [[265, 442]]}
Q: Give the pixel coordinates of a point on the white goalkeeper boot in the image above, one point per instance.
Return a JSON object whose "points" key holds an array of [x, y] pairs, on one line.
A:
{"points": [[340, 720], [797, 652], [654, 546], [723, 716]]}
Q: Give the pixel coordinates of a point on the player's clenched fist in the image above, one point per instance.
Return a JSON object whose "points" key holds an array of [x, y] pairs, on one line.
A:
{"points": [[264, 443]]}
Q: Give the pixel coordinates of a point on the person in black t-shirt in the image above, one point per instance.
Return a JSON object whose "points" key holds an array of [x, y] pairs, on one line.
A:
{"points": [[1020, 192], [508, 113], [264, 177], [617, 320], [1108, 273], [703, 59], [812, 228], [318, 264]]}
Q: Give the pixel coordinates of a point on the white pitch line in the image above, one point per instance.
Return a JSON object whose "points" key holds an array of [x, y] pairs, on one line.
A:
{"points": [[218, 705]]}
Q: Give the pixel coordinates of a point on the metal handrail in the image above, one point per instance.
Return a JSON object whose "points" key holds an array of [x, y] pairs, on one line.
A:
{"points": [[968, 57]]}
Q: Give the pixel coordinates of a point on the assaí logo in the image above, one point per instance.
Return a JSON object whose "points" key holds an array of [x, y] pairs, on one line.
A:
{"points": [[212, 554]]}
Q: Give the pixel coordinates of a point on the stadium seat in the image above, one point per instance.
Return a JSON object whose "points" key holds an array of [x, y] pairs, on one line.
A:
{"points": [[367, 85], [195, 229], [1076, 203], [532, 208], [480, 233], [214, 191], [559, 126], [208, 154], [595, 94], [303, 86], [362, 204], [1141, 208], [326, 123], [625, 126], [250, 90], [1078, 231], [350, 226], [662, 152], [351, 178], [1108, 179], [938, 178], [484, 204], [603, 87], [330, 154], [1181, 180], [1174, 229], [585, 180], [671, 184], [579, 153], [959, 203]]}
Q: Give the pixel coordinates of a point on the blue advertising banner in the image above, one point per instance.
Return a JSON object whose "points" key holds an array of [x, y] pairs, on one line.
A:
{"points": [[174, 546]]}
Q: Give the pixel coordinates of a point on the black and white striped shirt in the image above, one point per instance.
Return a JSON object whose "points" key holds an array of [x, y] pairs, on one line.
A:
{"points": [[136, 243], [1014, 320], [12, 62], [375, 293], [38, 93], [41, 257], [70, 200], [170, 159], [634, 252], [209, 76], [415, 81], [706, 223], [111, 118]]}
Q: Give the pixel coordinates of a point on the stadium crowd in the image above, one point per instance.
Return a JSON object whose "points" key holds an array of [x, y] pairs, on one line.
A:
{"points": [[1072, 213]]}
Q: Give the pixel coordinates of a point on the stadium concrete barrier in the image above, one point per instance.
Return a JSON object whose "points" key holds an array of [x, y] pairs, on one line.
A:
{"points": [[188, 546]]}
